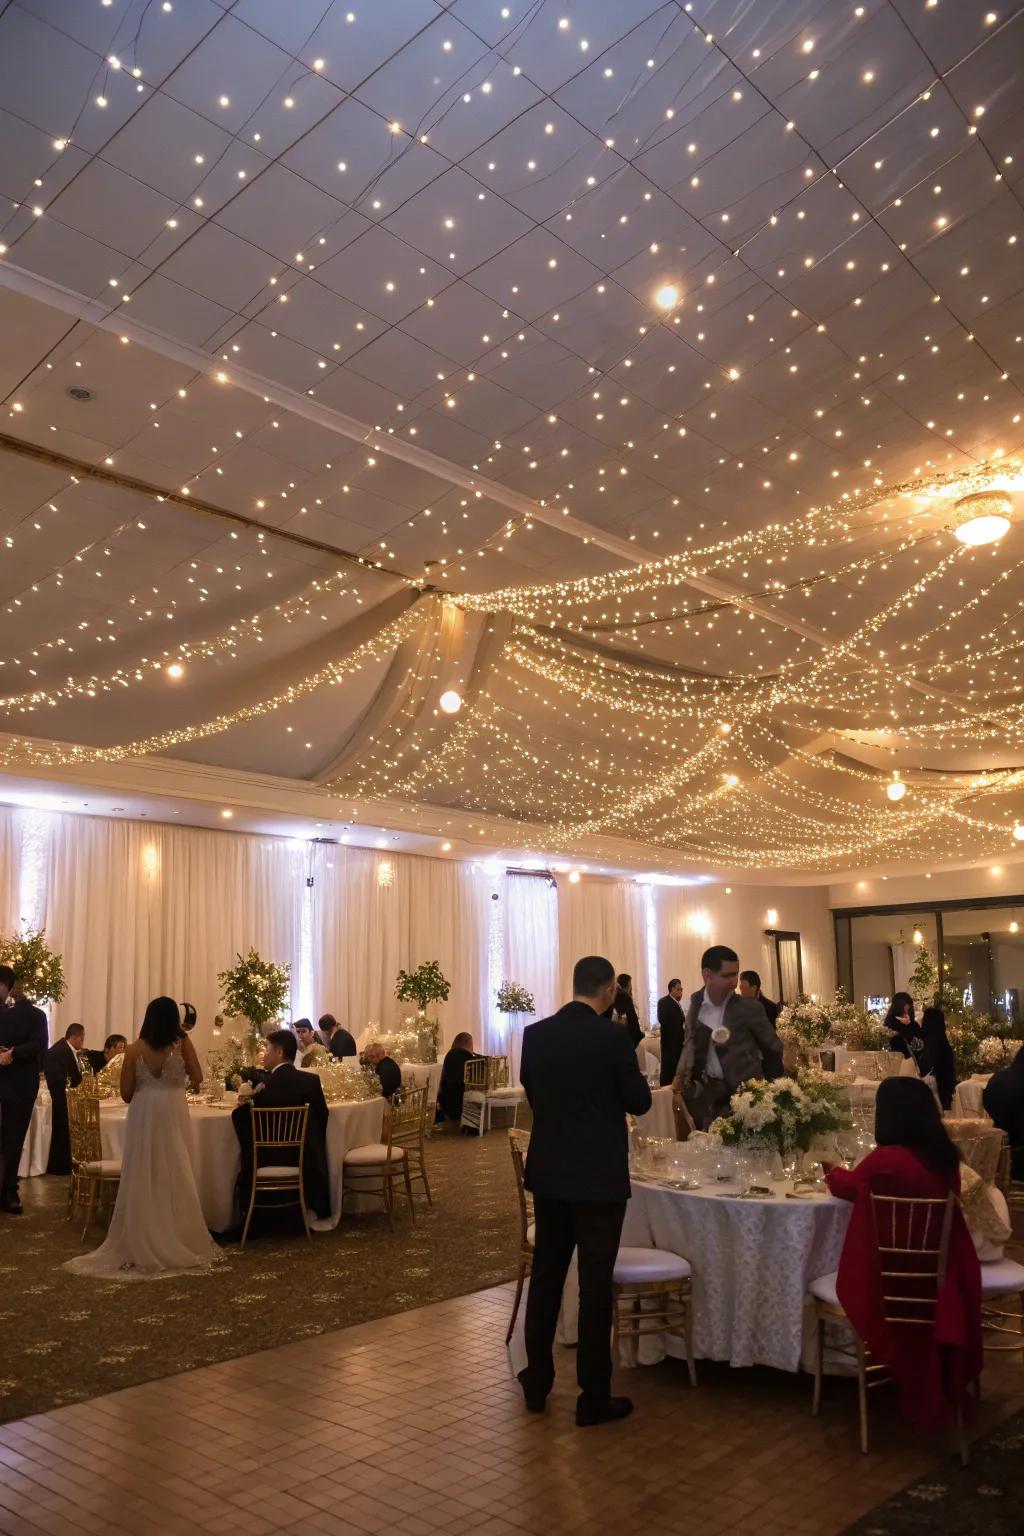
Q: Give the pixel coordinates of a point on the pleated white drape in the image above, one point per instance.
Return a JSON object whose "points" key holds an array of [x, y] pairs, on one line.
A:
{"points": [[604, 917], [530, 934]]}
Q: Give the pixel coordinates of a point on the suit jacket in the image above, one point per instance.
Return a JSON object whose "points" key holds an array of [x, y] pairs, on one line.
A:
{"points": [[60, 1065], [753, 1050], [771, 1008], [452, 1087], [390, 1074], [23, 1027], [582, 1078], [98, 1059], [342, 1043], [670, 1018], [284, 1087]]}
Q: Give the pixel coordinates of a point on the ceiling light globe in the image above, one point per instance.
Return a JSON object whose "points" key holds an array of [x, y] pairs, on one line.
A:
{"points": [[896, 790], [175, 670], [1018, 831], [450, 701], [985, 517], [667, 297]]}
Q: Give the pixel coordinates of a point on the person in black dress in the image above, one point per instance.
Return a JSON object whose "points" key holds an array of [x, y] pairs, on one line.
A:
{"points": [[452, 1086], [62, 1071], [904, 1034], [671, 1021], [937, 1055], [582, 1079], [1003, 1099]]}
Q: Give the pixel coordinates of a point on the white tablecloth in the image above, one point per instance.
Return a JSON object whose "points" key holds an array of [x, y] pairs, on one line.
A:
{"points": [[967, 1103], [422, 1074], [216, 1157], [36, 1151], [660, 1119]]}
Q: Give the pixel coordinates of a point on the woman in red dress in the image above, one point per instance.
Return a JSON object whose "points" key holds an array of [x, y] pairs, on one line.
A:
{"points": [[913, 1158]]}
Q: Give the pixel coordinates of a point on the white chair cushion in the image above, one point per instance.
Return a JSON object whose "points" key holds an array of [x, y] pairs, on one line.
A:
{"points": [[474, 1096], [639, 1266], [511, 1095], [107, 1166], [824, 1288], [1002, 1278], [368, 1157], [270, 1171], [531, 1233]]}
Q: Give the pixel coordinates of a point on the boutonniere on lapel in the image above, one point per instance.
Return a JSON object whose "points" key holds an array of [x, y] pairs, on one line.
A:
{"points": [[720, 1036]]}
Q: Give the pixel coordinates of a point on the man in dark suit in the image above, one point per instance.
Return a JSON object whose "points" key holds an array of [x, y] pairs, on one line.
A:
{"points": [[338, 1040], [750, 986], [670, 1021], [113, 1045], [62, 1070], [23, 1041], [582, 1078], [728, 1041], [285, 1086], [389, 1072]]}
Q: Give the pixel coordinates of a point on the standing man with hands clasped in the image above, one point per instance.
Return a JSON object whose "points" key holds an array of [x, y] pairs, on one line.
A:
{"points": [[582, 1078]]}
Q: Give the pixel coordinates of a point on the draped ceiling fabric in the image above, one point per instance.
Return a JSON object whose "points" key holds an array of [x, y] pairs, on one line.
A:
{"points": [[624, 370]]}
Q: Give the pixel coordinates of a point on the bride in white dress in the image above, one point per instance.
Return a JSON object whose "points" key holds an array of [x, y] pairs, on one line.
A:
{"points": [[157, 1227]]}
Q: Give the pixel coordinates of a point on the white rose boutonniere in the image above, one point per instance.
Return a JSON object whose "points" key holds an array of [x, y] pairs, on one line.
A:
{"points": [[720, 1036]]}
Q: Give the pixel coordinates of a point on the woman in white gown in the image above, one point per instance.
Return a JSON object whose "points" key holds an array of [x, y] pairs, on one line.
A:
{"points": [[157, 1227]]}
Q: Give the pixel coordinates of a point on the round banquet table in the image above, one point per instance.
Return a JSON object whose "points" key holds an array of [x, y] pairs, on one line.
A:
{"points": [[967, 1103], [752, 1262], [660, 1119], [216, 1158], [36, 1152]]}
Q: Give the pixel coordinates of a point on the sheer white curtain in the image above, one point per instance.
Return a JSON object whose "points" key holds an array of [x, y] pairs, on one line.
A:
{"points": [[10, 916], [530, 935], [604, 917]]}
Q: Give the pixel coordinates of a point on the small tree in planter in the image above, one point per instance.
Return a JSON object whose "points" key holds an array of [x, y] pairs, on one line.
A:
{"points": [[38, 970], [423, 986], [255, 990], [923, 981]]}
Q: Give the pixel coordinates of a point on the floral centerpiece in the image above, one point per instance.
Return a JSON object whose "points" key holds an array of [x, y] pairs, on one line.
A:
{"points": [[782, 1116], [344, 1080], [868, 1034], [425, 985], [805, 1024], [237, 1066], [38, 970], [995, 1052], [255, 990], [514, 998]]}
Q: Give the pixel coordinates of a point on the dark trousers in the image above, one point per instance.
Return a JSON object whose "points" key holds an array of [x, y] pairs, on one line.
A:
{"points": [[59, 1160], [593, 1228], [15, 1116]]}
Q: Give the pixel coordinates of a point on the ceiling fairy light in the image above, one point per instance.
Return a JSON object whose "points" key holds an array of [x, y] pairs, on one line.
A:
{"points": [[985, 517]]}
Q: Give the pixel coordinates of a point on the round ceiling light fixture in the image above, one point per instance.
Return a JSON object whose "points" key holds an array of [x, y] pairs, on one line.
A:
{"points": [[667, 297], [451, 701], [896, 789], [1018, 831], [985, 517], [175, 670]]}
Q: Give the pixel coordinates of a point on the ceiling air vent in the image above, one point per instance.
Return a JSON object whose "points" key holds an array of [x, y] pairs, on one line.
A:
{"points": [[79, 392]]}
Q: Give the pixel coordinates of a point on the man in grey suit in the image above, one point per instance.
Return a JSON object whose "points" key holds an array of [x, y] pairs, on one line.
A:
{"points": [[728, 1040]]}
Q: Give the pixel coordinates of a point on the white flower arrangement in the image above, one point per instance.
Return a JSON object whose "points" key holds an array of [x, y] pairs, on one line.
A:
{"points": [[38, 970], [514, 998], [992, 1053], [782, 1115], [803, 1023]]}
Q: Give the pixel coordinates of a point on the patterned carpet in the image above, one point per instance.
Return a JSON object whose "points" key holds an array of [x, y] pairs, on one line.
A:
{"points": [[985, 1498], [66, 1338]]}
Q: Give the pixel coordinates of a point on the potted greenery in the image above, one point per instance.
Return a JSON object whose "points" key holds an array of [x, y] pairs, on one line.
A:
{"points": [[255, 990], [38, 970], [423, 986]]}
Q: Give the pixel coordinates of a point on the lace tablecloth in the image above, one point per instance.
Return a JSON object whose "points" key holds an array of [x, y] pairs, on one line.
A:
{"points": [[36, 1152], [216, 1157], [660, 1119], [967, 1103]]}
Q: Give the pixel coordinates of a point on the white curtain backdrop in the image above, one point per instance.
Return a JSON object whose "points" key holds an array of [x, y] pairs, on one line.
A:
{"points": [[9, 864], [530, 953], [604, 917]]}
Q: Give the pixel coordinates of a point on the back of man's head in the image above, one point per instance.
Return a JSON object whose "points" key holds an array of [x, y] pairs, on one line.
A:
{"points": [[285, 1041], [718, 955], [327, 1023], [463, 1042], [73, 1030], [592, 976]]}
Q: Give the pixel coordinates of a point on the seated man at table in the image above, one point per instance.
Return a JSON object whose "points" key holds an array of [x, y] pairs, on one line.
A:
{"points": [[62, 1070], [389, 1072], [337, 1039], [284, 1087], [452, 1086], [309, 1039]]}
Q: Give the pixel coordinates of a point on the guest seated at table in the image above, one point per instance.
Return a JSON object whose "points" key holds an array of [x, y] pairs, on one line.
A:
{"points": [[623, 1007], [750, 986], [1003, 1099], [914, 1159], [389, 1072], [452, 1086], [670, 1023], [113, 1045], [283, 1087], [338, 1040], [936, 1057], [62, 1070], [309, 1039], [905, 1035]]}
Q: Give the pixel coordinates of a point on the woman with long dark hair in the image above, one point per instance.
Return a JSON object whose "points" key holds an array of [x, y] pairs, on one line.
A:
{"points": [[624, 1008], [905, 1036], [157, 1227], [914, 1159], [936, 1056]]}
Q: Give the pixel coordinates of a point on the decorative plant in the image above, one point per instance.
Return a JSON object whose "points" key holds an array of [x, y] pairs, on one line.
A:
{"points": [[423, 986], [994, 1053], [514, 998], [38, 971], [923, 981], [782, 1116], [805, 1023], [255, 989]]}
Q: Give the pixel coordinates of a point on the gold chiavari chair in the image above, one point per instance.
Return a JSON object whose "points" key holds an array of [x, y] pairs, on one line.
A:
{"points": [[487, 1089], [278, 1130], [913, 1248], [94, 1178], [519, 1145], [652, 1291], [409, 1131], [377, 1168]]}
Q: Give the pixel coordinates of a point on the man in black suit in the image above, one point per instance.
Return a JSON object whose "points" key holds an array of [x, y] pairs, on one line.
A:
{"points": [[670, 1020], [582, 1078], [62, 1070], [23, 1041], [113, 1045], [338, 1040], [389, 1072], [750, 986], [285, 1086]]}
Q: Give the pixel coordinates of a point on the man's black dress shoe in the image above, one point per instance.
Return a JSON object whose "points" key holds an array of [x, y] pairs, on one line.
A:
{"points": [[602, 1413]]}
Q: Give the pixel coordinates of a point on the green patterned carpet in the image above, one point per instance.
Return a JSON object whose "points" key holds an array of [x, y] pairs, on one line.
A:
{"points": [[66, 1337]]}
